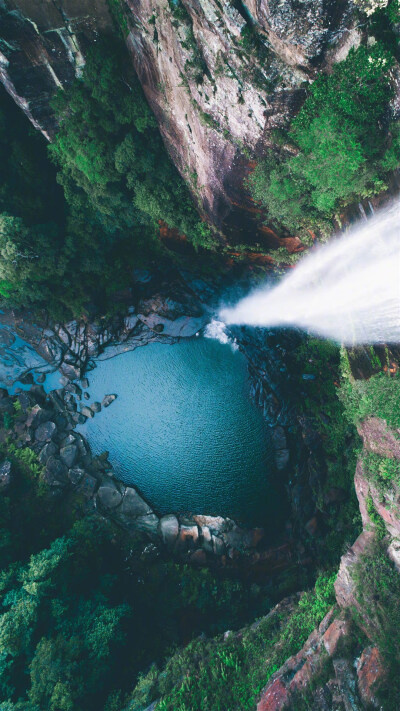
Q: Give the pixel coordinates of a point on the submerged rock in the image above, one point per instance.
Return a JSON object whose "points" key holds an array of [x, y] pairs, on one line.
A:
{"points": [[108, 399]]}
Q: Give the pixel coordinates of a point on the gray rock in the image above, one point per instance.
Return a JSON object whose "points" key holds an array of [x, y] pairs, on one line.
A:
{"points": [[45, 432], [108, 496], [69, 455], [5, 474], [86, 396], [108, 399], [85, 383], [133, 505], [37, 416], [95, 406], [56, 473], [41, 378], [75, 475], [86, 411], [218, 545], [79, 418], [169, 529], [49, 450], [87, 486], [148, 524], [207, 540]]}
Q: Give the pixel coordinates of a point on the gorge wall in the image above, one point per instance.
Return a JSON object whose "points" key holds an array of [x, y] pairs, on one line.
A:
{"points": [[219, 76]]}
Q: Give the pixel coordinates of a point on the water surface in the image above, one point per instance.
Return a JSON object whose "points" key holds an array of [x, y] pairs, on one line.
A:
{"points": [[184, 429]]}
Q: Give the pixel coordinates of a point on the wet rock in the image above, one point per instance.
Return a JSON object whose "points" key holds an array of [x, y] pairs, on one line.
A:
{"points": [[76, 475], [40, 378], [27, 379], [87, 411], [242, 539], [218, 545], [49, 450], [169, 529], [95, 406], [371, 674], [133, 505], [56, 473], [45, 432], [108, 399], [69, 455], [85, 383], [37, 416], [5, 474], [108, 496], [86, 396], [188, 535], [207, 539], [74, 389], [79, 418]]}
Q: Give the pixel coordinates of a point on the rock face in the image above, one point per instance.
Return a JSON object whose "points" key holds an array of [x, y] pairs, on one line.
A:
{"points": [[219, 76], [213, 92], [43, 49]]}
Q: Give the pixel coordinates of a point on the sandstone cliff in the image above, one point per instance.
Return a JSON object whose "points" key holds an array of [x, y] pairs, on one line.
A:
{"points": [[219, 76]]}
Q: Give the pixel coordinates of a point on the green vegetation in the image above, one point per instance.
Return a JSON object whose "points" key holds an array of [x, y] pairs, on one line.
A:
{"points": [[378, 592], [221, 674], [379, 396], [344, 147], [319, 362], [382, 471], [83, 608], [119, 185]]}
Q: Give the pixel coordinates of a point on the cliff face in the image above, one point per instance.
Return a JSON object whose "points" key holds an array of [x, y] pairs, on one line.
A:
{"points": [[219, 76], [42, 48]]}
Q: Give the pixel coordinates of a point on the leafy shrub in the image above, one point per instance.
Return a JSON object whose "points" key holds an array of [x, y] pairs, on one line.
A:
{"points": [[340, 138]]}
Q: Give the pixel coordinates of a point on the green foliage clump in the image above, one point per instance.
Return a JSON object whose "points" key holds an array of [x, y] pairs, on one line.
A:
{"points": [[343, 148], [338, 441], [111, 153], [379, 396], [383, 471], [227, 673], [378, 591], [82, 610]]}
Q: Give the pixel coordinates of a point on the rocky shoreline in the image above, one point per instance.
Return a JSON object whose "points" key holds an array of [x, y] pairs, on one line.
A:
{"points": [[46, 424]]}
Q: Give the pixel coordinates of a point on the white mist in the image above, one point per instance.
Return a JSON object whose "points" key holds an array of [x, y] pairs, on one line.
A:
{"points": [[347, 290]]}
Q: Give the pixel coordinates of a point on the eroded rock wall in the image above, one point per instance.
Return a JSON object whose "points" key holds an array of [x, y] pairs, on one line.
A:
{"points": [[220, 76], [42, 48]]}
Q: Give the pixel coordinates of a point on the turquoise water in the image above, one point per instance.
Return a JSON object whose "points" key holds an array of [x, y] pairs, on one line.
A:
{"points": [[184, 429]]}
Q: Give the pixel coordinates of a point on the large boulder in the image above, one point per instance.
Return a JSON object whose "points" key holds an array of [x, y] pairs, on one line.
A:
{"points": [[169, 529], [56, 473], [108, 399], [69, 455], [133, 505], [108, 496], [45, 432]]}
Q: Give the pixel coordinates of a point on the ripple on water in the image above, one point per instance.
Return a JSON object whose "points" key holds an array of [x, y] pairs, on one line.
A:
{"points": [[185, 431]]}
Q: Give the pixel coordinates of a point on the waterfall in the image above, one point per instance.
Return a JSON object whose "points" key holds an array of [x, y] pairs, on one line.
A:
{"points": [[347, 290]]}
